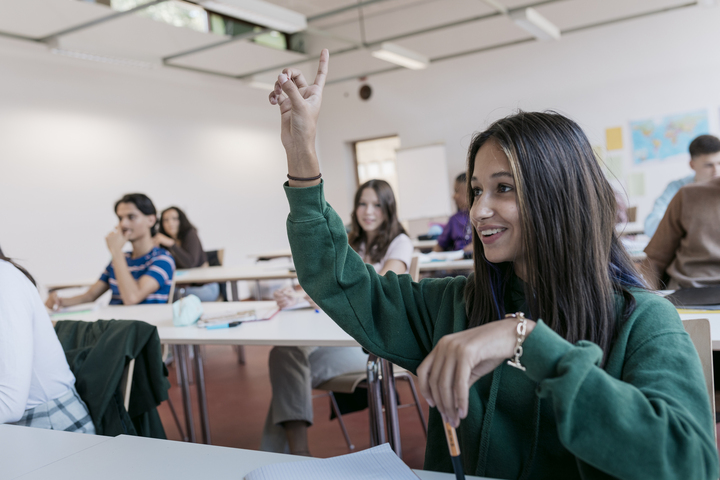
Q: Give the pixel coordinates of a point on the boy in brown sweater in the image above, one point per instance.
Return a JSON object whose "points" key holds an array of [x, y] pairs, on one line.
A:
{"points": [[686, 245]]}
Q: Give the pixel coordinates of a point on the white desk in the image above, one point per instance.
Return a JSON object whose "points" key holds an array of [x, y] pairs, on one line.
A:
{"points": [[231, 274], [295, 327], [78, 284], [140, 458], [418, 244], [448, 265], [288, 328], [24, 449]]}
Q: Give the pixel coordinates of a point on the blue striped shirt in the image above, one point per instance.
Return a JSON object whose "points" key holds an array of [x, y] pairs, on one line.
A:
{"points": [[158, 264]]}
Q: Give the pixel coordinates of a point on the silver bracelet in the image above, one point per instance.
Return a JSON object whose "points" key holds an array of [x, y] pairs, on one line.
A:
{"points": [[521, 331]]}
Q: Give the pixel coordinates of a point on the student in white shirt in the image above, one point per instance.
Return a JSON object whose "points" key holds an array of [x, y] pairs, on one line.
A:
{"points": [[380, 240], [37, 388]]}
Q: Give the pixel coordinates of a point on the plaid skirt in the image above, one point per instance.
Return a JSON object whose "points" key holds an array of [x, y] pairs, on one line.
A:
{"points": [[68, 413]]}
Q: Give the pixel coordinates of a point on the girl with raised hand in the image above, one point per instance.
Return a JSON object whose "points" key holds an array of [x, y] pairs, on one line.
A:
{"points": [[380, 240], [593, 376]]}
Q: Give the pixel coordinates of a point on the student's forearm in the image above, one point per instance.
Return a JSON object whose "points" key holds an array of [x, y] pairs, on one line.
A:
{"points": [[127, 285]]}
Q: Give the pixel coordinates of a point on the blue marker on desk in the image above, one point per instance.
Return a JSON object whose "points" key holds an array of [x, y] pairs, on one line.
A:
{"points": [[218, 326]]}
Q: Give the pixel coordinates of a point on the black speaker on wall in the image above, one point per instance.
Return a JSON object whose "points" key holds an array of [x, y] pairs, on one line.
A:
{"points": [[365, 92]]}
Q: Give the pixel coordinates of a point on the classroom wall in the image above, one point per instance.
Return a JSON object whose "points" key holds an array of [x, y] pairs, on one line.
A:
{"points": [[604, 77], [76, 135]]}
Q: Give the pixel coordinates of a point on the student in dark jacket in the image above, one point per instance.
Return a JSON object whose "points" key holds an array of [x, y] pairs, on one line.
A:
{"points": [[180, 237]]}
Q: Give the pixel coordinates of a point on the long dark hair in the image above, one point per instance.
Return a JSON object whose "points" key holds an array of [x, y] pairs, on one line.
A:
{"points": [[143, 203], [575, 263], [185, 225], [388, 230], [27, 274]]}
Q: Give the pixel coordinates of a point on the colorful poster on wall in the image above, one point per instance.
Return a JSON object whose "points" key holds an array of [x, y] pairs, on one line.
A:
{"points": [[613, 138], [657, 139]]}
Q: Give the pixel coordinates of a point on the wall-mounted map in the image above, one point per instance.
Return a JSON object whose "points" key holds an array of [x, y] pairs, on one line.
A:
{"points": [[657, 139]]}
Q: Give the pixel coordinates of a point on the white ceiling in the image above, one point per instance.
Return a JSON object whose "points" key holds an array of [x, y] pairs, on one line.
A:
{"points": [[434, 28]]}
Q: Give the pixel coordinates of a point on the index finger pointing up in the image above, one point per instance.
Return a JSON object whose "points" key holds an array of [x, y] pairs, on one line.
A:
{"points": [[322, 68]]}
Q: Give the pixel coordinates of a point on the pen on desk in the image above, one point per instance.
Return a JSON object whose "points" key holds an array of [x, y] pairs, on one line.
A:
{"points": [[452, 441], [223, 325]]}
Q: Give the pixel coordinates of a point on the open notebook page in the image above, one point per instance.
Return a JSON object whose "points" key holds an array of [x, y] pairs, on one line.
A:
{"points": [[377, 463]]}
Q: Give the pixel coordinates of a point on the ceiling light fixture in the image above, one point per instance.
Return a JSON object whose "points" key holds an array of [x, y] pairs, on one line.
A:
{"points": [[266, 85], [398, 55], [530, 19], [127, 62], [260, 13]]}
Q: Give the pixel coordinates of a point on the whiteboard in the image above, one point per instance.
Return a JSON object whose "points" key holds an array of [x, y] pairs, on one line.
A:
{"points": [[423, 184]]}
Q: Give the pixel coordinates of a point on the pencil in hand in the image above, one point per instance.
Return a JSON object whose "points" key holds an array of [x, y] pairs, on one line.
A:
{"points": [[454, 447]]}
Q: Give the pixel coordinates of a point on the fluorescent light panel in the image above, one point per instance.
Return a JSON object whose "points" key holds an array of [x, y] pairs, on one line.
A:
{"points": [[260, 13], [398, 55], [127, 62], [530, 19]]}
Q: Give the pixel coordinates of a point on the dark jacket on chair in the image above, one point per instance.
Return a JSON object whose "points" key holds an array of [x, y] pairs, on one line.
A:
{"points": [[97, 353]]}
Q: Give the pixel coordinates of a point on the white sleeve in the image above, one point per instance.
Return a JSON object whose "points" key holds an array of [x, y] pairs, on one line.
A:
{"points": [[16, 343], [401, 248]]}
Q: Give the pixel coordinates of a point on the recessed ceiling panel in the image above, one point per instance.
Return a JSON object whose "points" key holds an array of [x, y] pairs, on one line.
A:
{"points": [[465, 38], [40, 18], [239, 58], [137, 38], [355, 63], [580, 13]]}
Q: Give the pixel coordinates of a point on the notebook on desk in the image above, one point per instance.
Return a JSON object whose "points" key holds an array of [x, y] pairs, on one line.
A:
{"points": [[706, 297], [377, 463]]}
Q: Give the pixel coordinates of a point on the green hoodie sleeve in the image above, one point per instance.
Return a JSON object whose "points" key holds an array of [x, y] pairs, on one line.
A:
{"points": [[653, 422], [389, 315]]}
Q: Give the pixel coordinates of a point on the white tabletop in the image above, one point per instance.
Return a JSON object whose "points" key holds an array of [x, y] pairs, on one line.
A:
{"points": [[140, 458], [234, 273], [291, 327], [79, 283], [24, 449], [418, 244], [448, 265]]}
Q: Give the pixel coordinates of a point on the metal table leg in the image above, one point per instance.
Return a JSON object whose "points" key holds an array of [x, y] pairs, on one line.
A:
{"points": [[391, 411], [377, 424], [202, 397], [181, 356]]}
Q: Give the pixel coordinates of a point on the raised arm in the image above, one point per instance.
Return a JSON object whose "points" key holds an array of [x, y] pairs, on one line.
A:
{"points": [[389, 315]]}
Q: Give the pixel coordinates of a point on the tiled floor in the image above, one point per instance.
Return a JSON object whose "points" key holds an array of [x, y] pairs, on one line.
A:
{"points": [[238, 399]]}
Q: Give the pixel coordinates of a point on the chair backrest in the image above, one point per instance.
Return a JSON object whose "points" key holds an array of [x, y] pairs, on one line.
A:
{"points": [[699, 331], [414, 269], [126, 382], [215, 257]]}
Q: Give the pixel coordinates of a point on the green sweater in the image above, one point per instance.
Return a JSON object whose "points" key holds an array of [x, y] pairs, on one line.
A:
{"points": [[646, 414]]}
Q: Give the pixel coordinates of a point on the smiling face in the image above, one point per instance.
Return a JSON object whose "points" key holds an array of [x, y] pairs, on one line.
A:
{"points": [[132, 222], [494, 212], [369, 212], [171, 222]]}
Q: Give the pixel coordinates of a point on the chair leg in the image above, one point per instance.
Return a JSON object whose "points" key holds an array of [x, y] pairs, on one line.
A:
{"points": [[336, 409], [240, 351], [177, 420], [409, 379]]}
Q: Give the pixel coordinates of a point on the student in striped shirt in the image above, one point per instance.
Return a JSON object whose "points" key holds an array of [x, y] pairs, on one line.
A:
{"points": [[141, 276]]}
